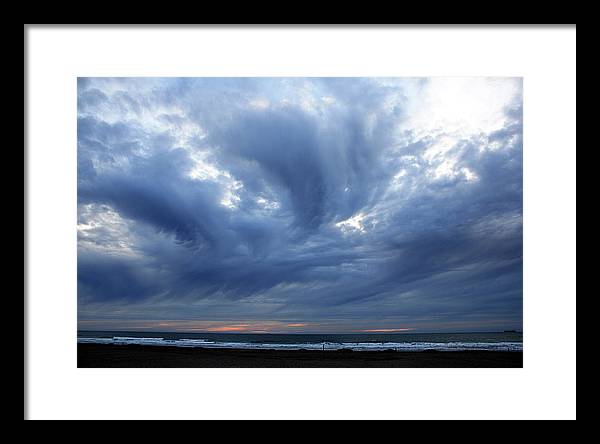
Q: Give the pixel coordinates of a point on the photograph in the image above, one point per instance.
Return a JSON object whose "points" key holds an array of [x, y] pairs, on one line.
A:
{"points": [[300, 222]]}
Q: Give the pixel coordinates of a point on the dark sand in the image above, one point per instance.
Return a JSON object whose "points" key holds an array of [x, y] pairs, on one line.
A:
{"points": [[99, 355]]}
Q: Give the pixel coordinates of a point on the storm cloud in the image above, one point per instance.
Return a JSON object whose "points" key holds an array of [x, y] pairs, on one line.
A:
{"points": [[311, 204]]}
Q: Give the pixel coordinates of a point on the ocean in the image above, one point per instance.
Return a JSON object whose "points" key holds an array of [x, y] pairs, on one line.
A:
{"points": [[503, 341]]}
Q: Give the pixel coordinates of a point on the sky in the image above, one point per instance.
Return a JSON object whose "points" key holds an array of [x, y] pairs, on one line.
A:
{"points": [[300, 205]]}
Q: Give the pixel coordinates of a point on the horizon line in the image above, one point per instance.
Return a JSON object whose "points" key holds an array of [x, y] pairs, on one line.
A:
{"points": [[308, 333]]}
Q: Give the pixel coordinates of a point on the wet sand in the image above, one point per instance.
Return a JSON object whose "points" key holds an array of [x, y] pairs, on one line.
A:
{"points": [[126, 356]]}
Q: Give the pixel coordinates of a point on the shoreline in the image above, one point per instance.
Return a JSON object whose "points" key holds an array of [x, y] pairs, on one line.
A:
{"points": [[138, 356]]}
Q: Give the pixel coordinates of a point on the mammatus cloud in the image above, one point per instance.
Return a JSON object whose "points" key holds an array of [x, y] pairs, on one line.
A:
{"points": [[300, 204]]}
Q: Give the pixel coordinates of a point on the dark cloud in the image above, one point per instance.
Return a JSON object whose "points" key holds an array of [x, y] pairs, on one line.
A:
{"points": [[296, 199]]}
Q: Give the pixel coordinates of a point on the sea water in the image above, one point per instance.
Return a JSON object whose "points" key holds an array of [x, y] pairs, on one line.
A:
{"points": [[501, 341]]}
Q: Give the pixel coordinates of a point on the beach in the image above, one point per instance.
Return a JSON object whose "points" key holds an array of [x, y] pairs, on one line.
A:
{"points": [[127, 356]]}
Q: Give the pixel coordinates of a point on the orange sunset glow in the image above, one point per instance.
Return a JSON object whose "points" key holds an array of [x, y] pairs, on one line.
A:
{"points": [[386, 330], [241, 326]]}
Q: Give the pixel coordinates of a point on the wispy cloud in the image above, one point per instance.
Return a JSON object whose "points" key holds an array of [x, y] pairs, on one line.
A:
{"points": [[317, 203]]}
